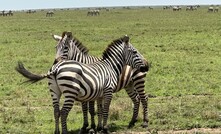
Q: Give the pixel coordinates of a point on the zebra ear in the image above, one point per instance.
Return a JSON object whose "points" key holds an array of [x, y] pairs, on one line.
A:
{"points": [[56, 37], [126, 39], [69, 35]]}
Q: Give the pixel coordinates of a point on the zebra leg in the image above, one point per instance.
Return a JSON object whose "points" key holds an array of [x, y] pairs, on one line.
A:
{"points": [[136, 101], [144, 100], [107, 101], [99, 113], [64, 114], [92, 113], [55, 94], [85, 116], [56, 116]]}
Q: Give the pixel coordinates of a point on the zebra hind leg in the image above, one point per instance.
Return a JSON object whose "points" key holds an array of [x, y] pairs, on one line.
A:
{"points": [[99, 113], [56, 116], [85, 115], [92, 113], [64, 114]]}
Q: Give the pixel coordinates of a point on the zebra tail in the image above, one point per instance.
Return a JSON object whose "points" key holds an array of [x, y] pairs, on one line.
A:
{"points": [[32, 78]]}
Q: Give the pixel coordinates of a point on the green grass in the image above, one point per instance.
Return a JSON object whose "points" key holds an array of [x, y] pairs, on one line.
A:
{"points": [[183, 47]]}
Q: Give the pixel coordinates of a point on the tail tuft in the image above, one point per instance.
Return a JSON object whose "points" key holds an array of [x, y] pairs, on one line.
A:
{"points": [[31, 77]]}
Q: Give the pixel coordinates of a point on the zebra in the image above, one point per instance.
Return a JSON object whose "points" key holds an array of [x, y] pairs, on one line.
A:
{"points": [[216, 9], [49, 14], [93, 13], [129, 79], [7, 13], [177, 8], [30, 11], [88, 82], [191, 8], [210, 9]]}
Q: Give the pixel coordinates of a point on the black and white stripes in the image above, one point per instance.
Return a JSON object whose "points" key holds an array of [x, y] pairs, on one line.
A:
{"points": [[88, 82], [131, 79]]}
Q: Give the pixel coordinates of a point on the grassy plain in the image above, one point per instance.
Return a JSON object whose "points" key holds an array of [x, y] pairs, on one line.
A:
{"points": [[184, 82]]}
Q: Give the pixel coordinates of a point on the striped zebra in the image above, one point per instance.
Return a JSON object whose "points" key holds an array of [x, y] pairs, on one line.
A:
{"points": [[88, 82], [131, 79]]}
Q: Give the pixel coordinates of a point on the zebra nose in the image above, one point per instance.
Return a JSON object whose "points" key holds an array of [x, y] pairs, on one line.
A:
{"points": [[144, 68]]}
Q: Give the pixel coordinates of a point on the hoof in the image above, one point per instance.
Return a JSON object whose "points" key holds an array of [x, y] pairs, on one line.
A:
{"points": [[92, 131], [93, 126], [105, 131], [132, 123], [145, 125], [99, 129], [83, 131], [57, 132]]}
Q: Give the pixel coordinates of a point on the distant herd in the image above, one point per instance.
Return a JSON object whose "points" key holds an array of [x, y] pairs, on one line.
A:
{"points": [[96, 12]]}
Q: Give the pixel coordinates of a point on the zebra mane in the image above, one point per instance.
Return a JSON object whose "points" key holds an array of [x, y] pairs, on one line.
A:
{"points": [[113, 43], [78, 44]]}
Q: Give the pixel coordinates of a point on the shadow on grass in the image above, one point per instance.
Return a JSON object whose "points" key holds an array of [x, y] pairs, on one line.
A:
{"points": [[112, 128]]}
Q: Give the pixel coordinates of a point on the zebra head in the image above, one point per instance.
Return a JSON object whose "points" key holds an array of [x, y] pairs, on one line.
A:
{"points": [[68, 47], [133, 57], [63, 46]]}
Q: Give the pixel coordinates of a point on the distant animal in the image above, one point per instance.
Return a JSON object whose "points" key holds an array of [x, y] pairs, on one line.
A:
{"points": [[30, 11], [49, 13], [216, 9], [166, 7], [177, 8], [210, 9], [151, 8], [6, 13], [191, 8], [88, 82], [93, 13]]}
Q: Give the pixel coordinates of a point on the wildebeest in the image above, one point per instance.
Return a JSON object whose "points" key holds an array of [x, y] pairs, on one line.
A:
{"points": [[49, 13]]}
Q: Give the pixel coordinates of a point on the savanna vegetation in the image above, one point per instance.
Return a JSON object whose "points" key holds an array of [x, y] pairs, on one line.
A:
{"points": [[184, 82]]}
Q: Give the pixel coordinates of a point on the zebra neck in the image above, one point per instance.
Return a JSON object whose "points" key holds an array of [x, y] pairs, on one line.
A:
{"points": [[84, 58], [115, 64]]}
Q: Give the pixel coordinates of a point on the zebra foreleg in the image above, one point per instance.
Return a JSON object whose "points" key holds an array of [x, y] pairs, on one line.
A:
{"points": [[99, 113], [107, 101], [136, 102], [92, 113], [139, 87], [144, 100]]}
